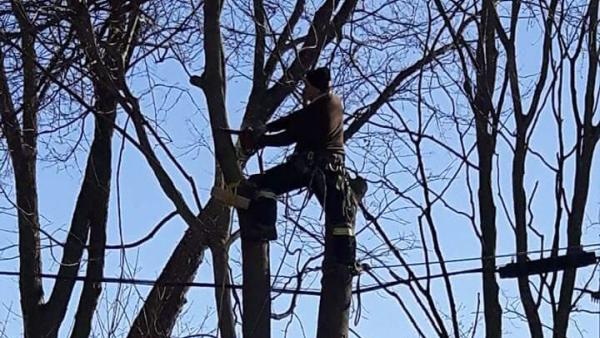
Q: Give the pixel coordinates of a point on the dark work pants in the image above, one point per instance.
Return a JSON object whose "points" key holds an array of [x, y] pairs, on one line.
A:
{"points": [[325, 177]]}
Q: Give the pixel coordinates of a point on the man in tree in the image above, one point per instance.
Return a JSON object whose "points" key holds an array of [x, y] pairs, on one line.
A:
{"points": [[317, 163]]}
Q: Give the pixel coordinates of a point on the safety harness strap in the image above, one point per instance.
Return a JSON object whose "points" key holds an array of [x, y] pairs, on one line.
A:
{"points": [[342, 231], [266, 194]]}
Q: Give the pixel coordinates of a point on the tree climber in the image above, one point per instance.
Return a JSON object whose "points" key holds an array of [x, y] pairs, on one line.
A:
{"points": [[317, 163]]}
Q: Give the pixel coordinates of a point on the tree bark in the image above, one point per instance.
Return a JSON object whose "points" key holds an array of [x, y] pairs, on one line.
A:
{"points": [[588, 135], [486, 122], [487, 219], [99, 178], [23, 151], [162, 306], [220, 258], [336, 296], [256, 320]]}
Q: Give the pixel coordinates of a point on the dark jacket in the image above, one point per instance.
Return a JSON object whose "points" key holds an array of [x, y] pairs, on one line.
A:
{"points": [[316, 127]]}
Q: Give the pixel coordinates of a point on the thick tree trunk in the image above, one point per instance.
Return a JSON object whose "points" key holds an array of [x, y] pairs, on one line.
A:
{"points": [[225, 315], [22, 143], [574, 224], [334, 306], [589, 134], [91, 211], [30, 267], [159, 313], [486, 124], [487, 219], [219, 248], [100, 172], [520, 205], [256, 322], [163, 304]]}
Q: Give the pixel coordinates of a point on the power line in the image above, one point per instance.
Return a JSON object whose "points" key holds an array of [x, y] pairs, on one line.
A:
{"points": [[293, 291], [148, 282], [296, 291], [379, 286], [472, 259]]}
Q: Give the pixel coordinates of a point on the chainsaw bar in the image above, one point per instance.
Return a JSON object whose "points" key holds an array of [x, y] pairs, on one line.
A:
{"points": [[231, 131]]}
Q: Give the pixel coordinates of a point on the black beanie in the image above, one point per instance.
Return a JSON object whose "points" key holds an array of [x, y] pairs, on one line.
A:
{"points": [[319, 78]]}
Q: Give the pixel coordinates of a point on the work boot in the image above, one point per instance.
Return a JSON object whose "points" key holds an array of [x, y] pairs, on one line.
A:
{"points": [[343, 252], [257, 223]]}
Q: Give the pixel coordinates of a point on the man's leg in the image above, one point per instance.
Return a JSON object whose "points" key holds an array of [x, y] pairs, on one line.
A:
{"points": [[334, 193], [257, 225], [337, 198], [258, 221]]}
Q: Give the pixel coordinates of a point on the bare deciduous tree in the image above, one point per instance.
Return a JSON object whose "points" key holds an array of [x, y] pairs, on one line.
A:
{"points": [[439, 101]]}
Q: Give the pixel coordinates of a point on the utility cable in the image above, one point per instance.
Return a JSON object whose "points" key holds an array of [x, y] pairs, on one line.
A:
{"points": [[472, 259], [308, 292]]}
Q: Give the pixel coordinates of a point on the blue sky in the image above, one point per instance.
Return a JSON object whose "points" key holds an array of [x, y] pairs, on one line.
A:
{"points": [[143, 204]]}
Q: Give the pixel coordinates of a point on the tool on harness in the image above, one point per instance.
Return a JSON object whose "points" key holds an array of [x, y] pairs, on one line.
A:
{"points": [[308, 161], [359, 186], [329, 179]]}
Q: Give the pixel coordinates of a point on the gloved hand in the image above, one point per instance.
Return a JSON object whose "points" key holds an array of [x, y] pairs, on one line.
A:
{"points": [[250, 136]]}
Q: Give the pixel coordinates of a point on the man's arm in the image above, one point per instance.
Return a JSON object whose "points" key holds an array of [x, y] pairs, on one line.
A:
{"points": [[279, 124], [283, 123], [276, 140]]}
